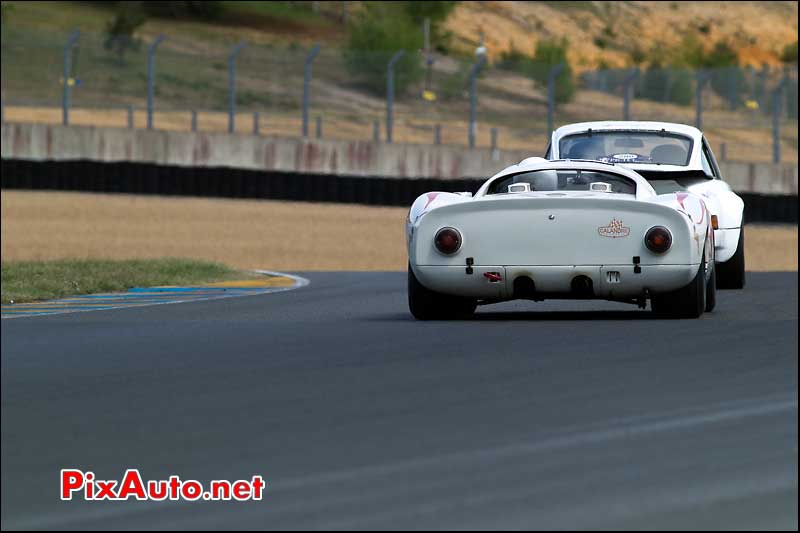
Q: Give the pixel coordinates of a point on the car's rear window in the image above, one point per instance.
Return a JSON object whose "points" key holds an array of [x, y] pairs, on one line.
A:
{"points": [[563, 180], [660, 148]]}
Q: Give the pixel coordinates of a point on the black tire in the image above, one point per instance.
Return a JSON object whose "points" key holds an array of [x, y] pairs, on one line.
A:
{"points": [[711, 289], [730, 274], [426, 304], [688, 302]]}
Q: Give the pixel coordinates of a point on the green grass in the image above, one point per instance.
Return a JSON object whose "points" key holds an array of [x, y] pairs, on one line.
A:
{"points": [[25, 281]]}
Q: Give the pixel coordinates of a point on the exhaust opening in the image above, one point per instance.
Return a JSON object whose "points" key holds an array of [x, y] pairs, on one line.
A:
{"points": [[524, 287], [582, 285]]}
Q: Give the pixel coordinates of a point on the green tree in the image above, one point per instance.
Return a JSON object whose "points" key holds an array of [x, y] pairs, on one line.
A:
{"points": [[789, 53], [121, 29], [437, 12], [727, 79], [211, 10], [547, 55], [515, 60], [381, 30], [5, 12], [722, 63]]}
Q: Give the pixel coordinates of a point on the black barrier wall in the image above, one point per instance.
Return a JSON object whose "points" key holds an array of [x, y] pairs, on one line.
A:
{"points": [[140, 178]]}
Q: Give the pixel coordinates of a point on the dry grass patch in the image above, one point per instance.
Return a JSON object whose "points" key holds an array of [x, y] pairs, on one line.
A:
{"points": [[247, 233]]}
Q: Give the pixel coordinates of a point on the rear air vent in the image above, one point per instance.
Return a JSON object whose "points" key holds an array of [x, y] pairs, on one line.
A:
{"points": [[524, 287]]}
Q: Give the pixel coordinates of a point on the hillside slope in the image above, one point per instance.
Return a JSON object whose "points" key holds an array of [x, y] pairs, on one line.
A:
{"points": [[609, 32]]}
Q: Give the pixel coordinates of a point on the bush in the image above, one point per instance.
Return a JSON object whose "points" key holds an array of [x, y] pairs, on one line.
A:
{"points": [[211, 10], [454, 86], [515, 60], [789, 54], [437, 12], [548, 54], [722, 62], [374, 38], [120, 30], [727, 79], [6, 9], [655, 84], [681, 91], [666, 85]]}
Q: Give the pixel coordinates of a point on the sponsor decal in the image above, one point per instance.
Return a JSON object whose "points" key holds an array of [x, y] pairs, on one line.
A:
{"points": [[625, 157], [615, 229]]}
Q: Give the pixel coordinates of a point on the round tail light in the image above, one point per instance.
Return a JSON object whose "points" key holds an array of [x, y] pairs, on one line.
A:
{"points": [[447, 240], [658, 239]]}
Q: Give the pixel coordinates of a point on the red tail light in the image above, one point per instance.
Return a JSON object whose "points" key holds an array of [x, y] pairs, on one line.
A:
{"points": [[658, 239], [447, 240]]}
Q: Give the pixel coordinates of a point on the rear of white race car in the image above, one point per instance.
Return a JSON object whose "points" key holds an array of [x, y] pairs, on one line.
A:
{"points": [[555, 245]]}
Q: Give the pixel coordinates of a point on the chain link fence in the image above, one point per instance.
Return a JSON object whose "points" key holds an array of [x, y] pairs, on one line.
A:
{"points": [[83, 79]]}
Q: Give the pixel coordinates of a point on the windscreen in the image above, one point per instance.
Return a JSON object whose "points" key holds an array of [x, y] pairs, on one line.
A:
{"points": [[563, 180], [658, 148]]}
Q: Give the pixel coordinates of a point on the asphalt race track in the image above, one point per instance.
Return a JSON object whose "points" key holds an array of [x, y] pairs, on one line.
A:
{"points": [[551, 415]]}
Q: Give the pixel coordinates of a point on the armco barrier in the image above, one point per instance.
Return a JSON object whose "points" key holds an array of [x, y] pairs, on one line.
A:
{"points": [[142, 178], [44, 142]]}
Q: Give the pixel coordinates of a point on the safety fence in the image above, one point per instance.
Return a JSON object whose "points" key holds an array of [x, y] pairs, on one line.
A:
{"points": [[404, 97]]}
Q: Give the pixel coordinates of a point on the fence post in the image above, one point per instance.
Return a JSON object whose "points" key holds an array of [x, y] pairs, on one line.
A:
{"points": [[785, 81], [319, 126], [777, 100], [307, 85], [256, 123], [495, 151], [629, 79], [473, 98], [131, 123], [376, 130], [65, 103], [762, 85], [194, 120], [151, 75], [232, 85], [668, 84], [390, 94], [701, 77], [437, 134], [555, 70], [733, 87]]}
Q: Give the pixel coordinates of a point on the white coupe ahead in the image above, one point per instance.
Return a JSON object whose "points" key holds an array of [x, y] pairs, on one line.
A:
{"points": [[621, 211]]}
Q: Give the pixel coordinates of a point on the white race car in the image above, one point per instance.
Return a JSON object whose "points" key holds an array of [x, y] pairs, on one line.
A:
{"points": [[561, 229], [673, 158]]}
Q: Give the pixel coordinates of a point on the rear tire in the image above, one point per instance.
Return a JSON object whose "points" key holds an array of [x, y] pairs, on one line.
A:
{"points": [[688, 302], [711, 289], [426, 304], [730, 274]]}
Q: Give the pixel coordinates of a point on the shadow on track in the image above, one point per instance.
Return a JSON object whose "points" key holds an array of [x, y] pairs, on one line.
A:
{"points": [[531, 316]]}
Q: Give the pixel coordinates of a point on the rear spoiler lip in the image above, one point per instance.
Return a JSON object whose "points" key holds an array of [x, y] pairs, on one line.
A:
{"points": [[513, 202]]}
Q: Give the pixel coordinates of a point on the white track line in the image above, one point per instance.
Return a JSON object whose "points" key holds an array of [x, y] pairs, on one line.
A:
{"points": [[298, 282]]}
